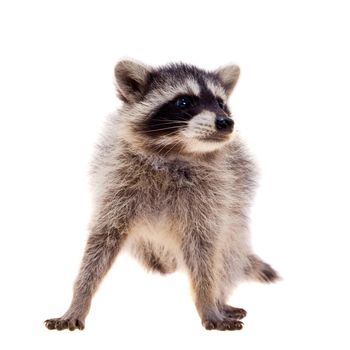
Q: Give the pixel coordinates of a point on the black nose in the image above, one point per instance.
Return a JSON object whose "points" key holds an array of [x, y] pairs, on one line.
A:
{"points": [[224, 124]]}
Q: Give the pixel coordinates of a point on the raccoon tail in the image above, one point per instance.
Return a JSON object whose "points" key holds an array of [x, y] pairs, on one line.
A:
{"points": [[259, 270]]}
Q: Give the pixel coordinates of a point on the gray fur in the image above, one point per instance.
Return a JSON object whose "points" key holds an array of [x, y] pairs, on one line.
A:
{"points": [[173, 209]]}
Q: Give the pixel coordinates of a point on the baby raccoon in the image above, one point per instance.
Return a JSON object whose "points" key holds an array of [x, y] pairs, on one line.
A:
{"points": [[173, 184]]}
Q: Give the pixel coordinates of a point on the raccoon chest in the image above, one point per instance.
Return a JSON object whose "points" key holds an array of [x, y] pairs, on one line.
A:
{"points": [[156, 230], [173, 173], [172, 188]]}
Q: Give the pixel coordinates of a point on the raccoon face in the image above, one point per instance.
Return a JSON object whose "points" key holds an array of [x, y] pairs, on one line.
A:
{"points": [[177, 108]]}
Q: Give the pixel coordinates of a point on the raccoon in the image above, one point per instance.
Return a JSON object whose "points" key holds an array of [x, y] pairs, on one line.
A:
{"points": [[172, 183]]}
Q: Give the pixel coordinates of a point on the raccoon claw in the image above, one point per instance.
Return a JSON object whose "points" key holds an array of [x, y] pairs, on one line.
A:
{"points": [[227, 324], [233, 312], [64, 323]]}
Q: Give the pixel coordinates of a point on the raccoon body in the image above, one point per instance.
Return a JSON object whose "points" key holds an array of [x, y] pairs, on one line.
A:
{"points": [[172, 183]]}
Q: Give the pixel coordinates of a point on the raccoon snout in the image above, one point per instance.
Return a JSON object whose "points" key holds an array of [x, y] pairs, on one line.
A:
{"points": [[224, 124]]}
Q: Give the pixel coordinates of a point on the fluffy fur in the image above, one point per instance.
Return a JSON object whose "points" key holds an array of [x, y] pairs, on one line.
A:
{"points": [[173, 185]]}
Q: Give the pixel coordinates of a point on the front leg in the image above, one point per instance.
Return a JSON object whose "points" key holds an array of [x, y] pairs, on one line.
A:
{"points": [[202, 258], [102, 247]]}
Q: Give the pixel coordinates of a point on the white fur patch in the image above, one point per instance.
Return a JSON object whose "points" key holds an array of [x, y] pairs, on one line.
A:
{"points": [[193, 86], [199, 127], [200, 146], [160, 96], [217, 90]]}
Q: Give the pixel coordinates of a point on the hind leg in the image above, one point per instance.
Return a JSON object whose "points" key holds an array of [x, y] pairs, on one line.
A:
{"points": [[255, 269], [205, 282], [229, 277], [155, 259], [260, 271]]}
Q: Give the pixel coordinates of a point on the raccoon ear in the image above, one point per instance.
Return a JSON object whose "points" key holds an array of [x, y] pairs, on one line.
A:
{"points": [[228, 75], [131, 80]]}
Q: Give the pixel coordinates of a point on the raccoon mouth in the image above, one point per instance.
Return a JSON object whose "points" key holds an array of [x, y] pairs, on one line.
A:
{"points": [[214, 138]]}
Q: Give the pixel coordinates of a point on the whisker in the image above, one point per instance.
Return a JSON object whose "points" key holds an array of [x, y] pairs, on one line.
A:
{"points": [[210, 131], [188, 114], [165, 145], [162, 129], [204, 124], [170, 122], [177, 119], [161, 149], [175, 144]]}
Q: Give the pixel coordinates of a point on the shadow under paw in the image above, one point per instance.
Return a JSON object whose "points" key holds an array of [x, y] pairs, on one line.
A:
{"points": [[64, 323]]}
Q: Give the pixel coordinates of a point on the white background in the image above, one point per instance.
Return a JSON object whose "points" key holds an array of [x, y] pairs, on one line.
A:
{"points": [[291, 105]]}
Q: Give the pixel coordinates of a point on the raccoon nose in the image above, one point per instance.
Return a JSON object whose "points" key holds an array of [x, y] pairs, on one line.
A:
{"points": [[224, 124]]}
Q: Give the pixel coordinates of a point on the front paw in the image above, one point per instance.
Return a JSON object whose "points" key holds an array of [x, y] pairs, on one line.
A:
{"points": [[61, 323], [233, 312], [225, 324], [222, 320]]}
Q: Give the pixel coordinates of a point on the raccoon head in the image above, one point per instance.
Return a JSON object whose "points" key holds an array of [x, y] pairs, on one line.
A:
{"points": [[177, 108]]}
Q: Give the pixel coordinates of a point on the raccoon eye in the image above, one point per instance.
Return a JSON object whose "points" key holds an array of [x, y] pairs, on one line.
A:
{"points": [[183, 102], [220, 102]]}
